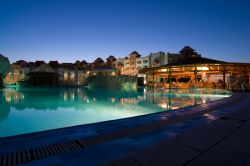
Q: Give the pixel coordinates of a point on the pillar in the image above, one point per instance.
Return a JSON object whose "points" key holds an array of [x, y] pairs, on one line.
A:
{"points": [[195, 77], [224, 77], [153, 79], [169, 79]]}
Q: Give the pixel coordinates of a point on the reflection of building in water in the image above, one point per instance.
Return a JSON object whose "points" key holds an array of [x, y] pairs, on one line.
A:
{"points": [[170, 99], [4, 106]]}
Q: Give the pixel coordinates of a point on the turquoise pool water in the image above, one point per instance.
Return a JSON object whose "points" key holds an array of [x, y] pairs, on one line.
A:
{"points": [[31, 110]]}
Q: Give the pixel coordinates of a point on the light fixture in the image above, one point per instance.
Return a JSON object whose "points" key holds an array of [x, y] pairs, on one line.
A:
{"points": [[204, 68]]}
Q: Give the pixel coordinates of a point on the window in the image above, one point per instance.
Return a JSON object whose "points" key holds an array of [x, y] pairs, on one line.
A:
{"points": [[145, 66], [145, 61], [65, 75], [138, 62], [139, 67]]}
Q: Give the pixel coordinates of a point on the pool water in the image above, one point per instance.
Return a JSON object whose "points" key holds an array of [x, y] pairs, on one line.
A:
{"points": [[38, 109]]}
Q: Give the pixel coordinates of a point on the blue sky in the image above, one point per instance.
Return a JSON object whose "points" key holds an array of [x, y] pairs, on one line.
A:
{"points": [[70, 30]]}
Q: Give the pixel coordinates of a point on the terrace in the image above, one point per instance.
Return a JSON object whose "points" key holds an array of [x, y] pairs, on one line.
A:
{"points": [[198, 72]]}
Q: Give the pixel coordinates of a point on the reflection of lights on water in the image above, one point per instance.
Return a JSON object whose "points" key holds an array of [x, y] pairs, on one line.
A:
{"points": [[94, 98], [163, 105], [87, 100], [175, 107], [204, 101], [144, 90], [8, 98], [112, 99]]}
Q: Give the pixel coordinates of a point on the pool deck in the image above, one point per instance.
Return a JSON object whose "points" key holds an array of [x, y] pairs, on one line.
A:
{"points": [[217, 133]]}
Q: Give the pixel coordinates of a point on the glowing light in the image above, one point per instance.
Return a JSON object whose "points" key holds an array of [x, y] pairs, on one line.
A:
{"points": [[112, 99], [204, 68], [164, 70], [163, 105], [8, 98], [65, 96]]}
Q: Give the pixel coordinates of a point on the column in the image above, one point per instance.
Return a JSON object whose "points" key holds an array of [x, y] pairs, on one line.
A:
{"points": [[169, 79], [195, 77], [153, 79], [224, 77]]}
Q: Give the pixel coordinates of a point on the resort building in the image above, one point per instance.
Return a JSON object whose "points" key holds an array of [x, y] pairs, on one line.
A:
{"points": [[186, 69], [189, 70], [134, 62], [53, 73]]}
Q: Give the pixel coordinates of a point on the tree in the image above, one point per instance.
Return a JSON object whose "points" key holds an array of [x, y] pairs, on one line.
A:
{"points": [[4, 68]]}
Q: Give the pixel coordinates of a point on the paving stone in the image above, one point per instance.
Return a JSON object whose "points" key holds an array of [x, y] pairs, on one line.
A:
{"points": [[222, 127], [221, 156], [238, 143], [169, 153], [45, 162], [101, 152], [244, 130], [121, 162], [241, 114], [198, 140]]}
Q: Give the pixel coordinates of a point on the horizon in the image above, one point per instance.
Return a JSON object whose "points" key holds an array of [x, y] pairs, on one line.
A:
{"points": [[67, 31]]}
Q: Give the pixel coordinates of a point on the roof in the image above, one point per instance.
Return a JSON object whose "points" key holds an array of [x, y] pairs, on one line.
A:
{"points": [[135, 53], [196, 60], [44, 68], [112, 58], [186, 48]]}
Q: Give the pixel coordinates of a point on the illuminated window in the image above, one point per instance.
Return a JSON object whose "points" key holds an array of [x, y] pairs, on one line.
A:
{"points": [[65, 76], [72, 75]]}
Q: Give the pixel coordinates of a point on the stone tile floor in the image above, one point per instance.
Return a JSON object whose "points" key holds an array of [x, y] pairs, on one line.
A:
{"points": [[209, 134]]}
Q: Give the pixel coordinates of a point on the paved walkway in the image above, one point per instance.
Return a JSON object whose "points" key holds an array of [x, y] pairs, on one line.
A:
{"points": [[225, 141], [209, 134]]}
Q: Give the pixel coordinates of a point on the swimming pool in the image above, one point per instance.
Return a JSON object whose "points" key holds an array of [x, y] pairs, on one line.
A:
{"points": [[38, 109]]}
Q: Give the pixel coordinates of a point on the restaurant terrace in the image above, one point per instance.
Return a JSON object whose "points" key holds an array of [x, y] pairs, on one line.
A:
{"points": [[199, 72]]}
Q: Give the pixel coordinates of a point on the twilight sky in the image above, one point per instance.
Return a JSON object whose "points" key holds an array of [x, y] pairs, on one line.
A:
{"points": [[70, 30]]}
